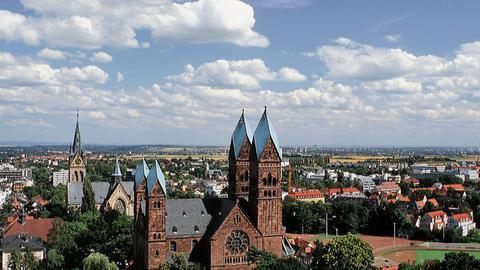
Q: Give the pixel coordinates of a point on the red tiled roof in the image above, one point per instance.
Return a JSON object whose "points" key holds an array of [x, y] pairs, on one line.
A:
{"points": [[433, 202], [34, 227], [350, 189], [434, 214], [456, 187], [307, 193], [419, 189], [404, 199], [411, 181], [462, 217], [388, 185]]}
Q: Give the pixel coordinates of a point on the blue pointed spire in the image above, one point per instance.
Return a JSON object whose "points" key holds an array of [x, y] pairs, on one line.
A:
{"points": [[241, 131], [263, 132], [156, 175], [116, 170], [141, 172]]}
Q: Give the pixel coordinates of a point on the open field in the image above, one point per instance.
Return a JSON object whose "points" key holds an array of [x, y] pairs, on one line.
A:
{"points": [[180, 156], [425, 254], [355, 158]]}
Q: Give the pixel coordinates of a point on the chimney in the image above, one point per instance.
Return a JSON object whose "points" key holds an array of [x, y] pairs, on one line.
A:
{"points": [[22, 217]]}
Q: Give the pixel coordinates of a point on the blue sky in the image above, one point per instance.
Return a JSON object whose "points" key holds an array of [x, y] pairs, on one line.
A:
{"points": [[330, 72]]}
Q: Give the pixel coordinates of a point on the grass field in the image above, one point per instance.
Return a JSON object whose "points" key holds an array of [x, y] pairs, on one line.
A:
{"points": [[424, 254]]}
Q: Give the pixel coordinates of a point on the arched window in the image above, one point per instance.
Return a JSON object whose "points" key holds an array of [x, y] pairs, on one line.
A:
{"points": [[76, 176], [81, 176], [241, 178], [264, 181], [265, 193], [174, 230], [157, 253], [196, 229], [246, 176], [269, 179], [120, 206], [274, 181], [269, 193], [173, 246], [274, 193], [154, 236]]}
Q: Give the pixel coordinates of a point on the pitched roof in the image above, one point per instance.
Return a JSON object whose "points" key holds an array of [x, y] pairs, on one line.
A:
{"points": [[75, 192], [242, 131], [34, 227], [19, 241], [434, 214], [116, 170], [455, 187], [186, 215], [433, 202], [141, 172], [462, 217], [306, 194], [156, 175], [263, 132]]}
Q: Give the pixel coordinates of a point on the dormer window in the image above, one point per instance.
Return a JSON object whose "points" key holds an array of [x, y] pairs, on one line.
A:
{"points": [[202, 213], [174, 230], [184, 214], [196, 229]]}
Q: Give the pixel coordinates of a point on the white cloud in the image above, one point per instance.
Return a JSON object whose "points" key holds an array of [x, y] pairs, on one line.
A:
{"points": [[291, 75], [25, 72], [348, 59], [51, 54], [94, 24], [393, 38], [119, 77], [101, 57], [202, 104], [241, 73]]}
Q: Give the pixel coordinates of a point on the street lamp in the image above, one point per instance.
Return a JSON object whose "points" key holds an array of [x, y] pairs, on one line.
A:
{"points": [[394, 234]]}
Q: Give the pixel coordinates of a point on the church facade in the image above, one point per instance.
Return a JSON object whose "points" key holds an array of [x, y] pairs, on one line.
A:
{"points": [[114, 194], [216, 232]]}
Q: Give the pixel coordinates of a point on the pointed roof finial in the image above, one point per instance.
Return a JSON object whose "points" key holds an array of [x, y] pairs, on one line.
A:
{"points": [[243, 110], [265, 107], [77, 113]]}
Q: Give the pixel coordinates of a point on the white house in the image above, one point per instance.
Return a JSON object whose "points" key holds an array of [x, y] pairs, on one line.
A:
{"points": [[434, 221], [463, 221]]}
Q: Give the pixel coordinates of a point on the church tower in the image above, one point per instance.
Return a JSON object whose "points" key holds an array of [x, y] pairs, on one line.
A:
{"points": [[239, 160], [76, 160], [155, 209], [265, 196]]}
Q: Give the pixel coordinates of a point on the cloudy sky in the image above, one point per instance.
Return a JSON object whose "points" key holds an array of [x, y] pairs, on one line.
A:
{"points": [[179, 72]]}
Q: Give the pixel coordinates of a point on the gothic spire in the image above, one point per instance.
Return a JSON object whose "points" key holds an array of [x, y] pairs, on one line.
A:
{"points": [[241, 131], [76, 147], [263, 132], [117, 173]]}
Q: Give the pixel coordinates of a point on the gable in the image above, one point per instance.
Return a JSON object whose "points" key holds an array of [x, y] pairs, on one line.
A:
{"points": [[240, 221], [270, 152], [117, 192]]}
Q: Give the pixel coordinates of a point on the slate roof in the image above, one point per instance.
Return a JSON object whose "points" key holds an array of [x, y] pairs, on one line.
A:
{"points": [[264, 131], [15, 242], [206, 214], [140, 172], [101, 190], [156, 175], [116, 169], [241, 131]]}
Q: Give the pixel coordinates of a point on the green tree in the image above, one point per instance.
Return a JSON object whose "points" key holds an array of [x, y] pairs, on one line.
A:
{"points": [[88, 200], [15, 260], [53, 261], [460, 261], [179, 262], [343, 253], [119, 237], [350, 216], [268, 261], [98, 261]]}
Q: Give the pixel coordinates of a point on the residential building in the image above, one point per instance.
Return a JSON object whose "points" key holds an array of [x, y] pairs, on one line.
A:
{"points": [[60, 177], [22, 243], [434, 220], [307, 196], [387, 187], [463, 221]]}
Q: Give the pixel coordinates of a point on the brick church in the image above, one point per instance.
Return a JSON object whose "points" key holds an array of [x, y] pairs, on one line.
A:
{"points": [[216, 232]]}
